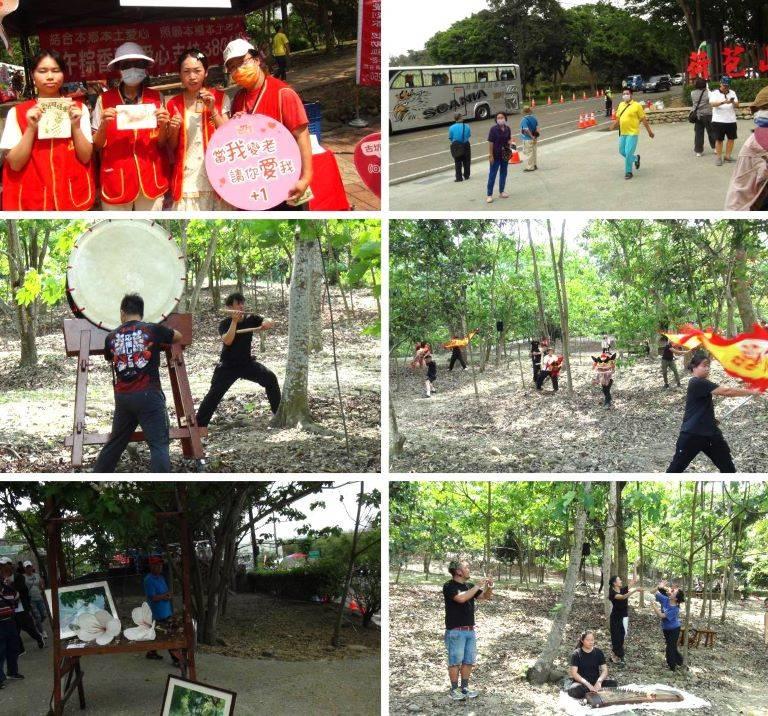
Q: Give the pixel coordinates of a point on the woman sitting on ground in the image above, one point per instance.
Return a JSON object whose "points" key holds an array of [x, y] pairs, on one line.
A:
{"points": [[589, 670]]}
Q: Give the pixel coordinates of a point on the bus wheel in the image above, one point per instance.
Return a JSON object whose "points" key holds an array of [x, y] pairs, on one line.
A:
{"points": [[483, 112]]}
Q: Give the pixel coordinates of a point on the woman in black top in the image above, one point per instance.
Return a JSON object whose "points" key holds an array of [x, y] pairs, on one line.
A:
{"points": [[499, 137], [699, 431], [588, 668], [619, 596]]}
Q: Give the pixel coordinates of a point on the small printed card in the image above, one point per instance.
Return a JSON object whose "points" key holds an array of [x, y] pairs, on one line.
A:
{"points": [[136, 116], [54, 122]]}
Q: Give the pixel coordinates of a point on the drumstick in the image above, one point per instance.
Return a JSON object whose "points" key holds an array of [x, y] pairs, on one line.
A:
{"points": [[231, 310], [249, 330]]}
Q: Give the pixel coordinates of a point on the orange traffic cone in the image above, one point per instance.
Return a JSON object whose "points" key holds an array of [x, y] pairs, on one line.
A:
{"points": [[613, 115], [561, 99], [592, 120], [549, 100], [574, 97], [582, 123], [515, 158], [583, 94]]}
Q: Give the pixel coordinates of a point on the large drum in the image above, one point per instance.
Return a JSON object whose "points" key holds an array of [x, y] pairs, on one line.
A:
{"points": [[116, 257]]}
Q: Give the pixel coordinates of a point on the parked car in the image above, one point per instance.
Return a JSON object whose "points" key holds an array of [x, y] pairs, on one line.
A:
{"points": [[633, 82], [678, 79], [658, 83]]}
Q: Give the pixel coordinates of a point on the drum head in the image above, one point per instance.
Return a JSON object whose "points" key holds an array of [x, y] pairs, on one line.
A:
{"points": [[124, 256]]}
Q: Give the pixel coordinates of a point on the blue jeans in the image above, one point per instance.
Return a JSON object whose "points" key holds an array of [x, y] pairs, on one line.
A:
{"points": [[499, 166], [462, 646], [627, 148], [9, 647], [145, 408]]}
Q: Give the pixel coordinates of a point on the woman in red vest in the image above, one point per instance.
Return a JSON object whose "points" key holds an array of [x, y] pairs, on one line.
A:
{"points": [[134, 163], [263, 94], [47, 174], [195, 115]]}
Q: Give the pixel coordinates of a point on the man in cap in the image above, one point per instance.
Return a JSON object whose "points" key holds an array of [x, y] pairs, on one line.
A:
{"points": [[135, 174], [261, 94], [748, 189], [724, 103], [37, 603], [159, 598], [9, 636]]}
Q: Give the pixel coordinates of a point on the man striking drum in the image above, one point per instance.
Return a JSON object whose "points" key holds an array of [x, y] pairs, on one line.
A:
{"points": [[235, 361], [133, 349]]}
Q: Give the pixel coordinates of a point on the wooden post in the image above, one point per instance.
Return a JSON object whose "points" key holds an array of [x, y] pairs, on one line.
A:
{"points": [[81, 390], [53, 532], [186, 591]]}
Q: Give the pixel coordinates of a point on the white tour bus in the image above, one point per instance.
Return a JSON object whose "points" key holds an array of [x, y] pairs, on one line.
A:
{"points": [[426, 96]]}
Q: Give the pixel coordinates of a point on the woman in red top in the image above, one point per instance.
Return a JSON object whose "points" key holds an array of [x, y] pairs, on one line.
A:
{"points": [[195, 115], [263, 94], [135, 174], [47, 174]]}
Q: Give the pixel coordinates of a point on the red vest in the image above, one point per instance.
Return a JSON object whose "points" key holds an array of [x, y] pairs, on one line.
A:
{"points": [[53, 179], [131, 161], [265, 100], [177, 105]]}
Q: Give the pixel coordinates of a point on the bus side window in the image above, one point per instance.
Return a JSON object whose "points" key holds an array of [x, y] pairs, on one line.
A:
{"points": [[407, 80], [463, 76], [439, 79], [482, 76], [508, 73]]}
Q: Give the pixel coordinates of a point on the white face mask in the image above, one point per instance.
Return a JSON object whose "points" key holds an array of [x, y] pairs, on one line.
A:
{"points": [[133, 76], [501, 122], [626, 97]]}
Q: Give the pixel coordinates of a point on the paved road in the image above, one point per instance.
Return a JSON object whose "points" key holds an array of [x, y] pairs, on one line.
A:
{"points": [[417, 153], [586, 173]]}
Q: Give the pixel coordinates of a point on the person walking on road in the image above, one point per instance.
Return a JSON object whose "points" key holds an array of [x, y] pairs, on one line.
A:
{"points": [[608, 102], [629, 116], [724, 103], [281, 50], [461, 150], [499, 143], [529, 131], [703, 114]]}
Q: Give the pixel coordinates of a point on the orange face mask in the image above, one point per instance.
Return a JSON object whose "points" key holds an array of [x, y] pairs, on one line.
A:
{"points": [[248, 75]]}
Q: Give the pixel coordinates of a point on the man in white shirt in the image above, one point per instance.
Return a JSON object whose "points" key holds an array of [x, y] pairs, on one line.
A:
{"points": [[724, 103]]}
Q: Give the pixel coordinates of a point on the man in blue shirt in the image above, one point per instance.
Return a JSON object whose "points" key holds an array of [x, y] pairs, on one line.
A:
{"points": [[529, 131], [461, 150], [159, 598]]}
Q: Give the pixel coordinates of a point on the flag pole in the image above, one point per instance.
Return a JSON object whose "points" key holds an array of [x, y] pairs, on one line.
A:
{"points": [[736, 407]]}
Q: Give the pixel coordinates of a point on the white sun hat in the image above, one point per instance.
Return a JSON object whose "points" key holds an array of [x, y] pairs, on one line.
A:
{"points": [[237, 48], [27, 563], [130, 51]]}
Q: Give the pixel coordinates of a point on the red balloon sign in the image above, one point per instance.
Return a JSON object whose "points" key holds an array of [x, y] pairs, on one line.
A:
{"points": [[368, 161]]}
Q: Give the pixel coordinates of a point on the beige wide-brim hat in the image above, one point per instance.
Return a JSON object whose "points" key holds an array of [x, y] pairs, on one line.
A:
{"points": [[130, 51], [761, 101]]}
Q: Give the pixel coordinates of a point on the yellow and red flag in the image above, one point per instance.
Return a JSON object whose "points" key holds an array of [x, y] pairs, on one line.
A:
{"points": [[460, 342], [744, 356]]}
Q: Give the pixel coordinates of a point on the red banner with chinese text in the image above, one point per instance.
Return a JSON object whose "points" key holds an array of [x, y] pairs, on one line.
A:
{"points": [[88, 50], [369, 43]]}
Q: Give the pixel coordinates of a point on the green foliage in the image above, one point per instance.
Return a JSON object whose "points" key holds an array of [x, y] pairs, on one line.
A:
{"points": [[313, 579], [758, 574]]}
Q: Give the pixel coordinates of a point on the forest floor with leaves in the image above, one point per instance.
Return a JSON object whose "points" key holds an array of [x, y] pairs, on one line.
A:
{"points": [[258, 626], [36, 405], [515, 428], [512, 629]]}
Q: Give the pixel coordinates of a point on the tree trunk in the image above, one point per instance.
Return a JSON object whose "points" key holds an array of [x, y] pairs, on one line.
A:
{"points": [[335, 640], [184, 302], [316, 307], [740, 279], [610, 529], [622, 567], [641, 569], [537, 283], [294, 406], [203, 270], [562, 300], [539, 673], [471, 359], [689, 575], [26, 316], [396, 438]]}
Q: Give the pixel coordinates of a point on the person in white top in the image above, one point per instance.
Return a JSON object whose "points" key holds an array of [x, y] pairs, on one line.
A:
{"points": [[724, 103]]}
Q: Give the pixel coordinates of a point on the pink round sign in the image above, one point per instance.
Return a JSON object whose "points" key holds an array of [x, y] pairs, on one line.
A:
{"points": [[253, 162]]}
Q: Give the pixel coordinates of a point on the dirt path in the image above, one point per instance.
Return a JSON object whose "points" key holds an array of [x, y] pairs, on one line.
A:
{"points": [[516, 429], [512, 629], [36, 406]]}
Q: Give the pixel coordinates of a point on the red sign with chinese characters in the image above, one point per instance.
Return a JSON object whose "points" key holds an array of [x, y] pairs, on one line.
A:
{"points": [[368, 161], [88, 50], [733, 63], [369, 43]]}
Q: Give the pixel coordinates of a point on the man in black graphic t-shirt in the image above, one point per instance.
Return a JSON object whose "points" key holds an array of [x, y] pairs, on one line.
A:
{"points": [[133, 349], [236, 361]]}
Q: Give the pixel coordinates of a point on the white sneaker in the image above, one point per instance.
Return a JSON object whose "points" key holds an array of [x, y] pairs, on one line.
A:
{"points": [[457, 695], [470, 694], [699, 154]]}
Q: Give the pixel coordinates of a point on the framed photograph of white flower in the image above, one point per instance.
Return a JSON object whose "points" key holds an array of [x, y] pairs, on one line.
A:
{"points": [[77, 599], [190, 698]]}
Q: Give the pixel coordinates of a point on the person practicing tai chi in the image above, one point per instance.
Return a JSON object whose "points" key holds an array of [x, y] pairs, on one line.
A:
{"points": [[604, 366], [550, 368], [235, 361], [668, 353], [535, 359], [619, 595], [669, 613], [700, 431], [588, 670], [460, 596], [133, 349], [429, 383]]}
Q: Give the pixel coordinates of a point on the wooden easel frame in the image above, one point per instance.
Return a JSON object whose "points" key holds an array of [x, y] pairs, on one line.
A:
{"points": [[66, 663], [83, 339]]}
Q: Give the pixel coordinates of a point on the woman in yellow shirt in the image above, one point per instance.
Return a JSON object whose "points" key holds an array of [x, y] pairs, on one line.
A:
{"points": [[629, 116]]}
